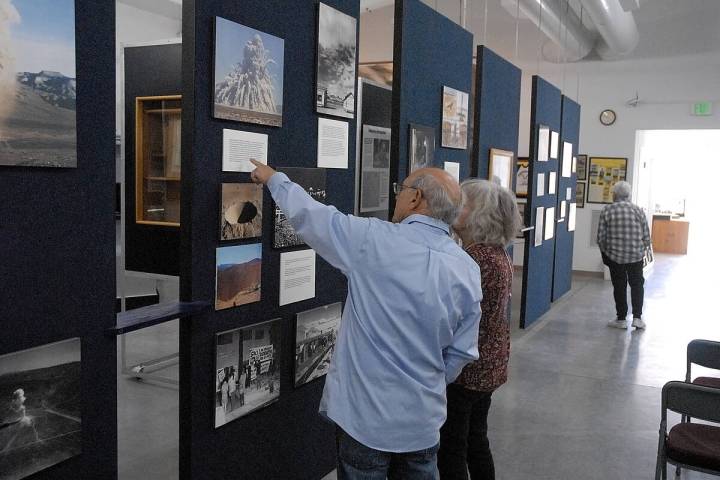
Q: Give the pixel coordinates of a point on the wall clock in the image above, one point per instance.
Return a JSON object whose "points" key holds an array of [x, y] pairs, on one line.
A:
{"points": [[607, 117]]}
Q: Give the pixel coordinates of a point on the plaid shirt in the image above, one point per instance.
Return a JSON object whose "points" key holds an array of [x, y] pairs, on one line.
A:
{"points": [[623, 233]]}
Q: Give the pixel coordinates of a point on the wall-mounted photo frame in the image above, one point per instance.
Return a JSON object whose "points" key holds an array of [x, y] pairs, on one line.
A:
{"points": [[582, 168], [421, 147], [540, 185], [316, 332], [543, 143], [522, 176], [240, 211], [549, 223], [567, 159], [455, 113], [501, 169], [554, 145], [539, 225], [552, 183], [521, 204], [603, 174], [580, 194]]}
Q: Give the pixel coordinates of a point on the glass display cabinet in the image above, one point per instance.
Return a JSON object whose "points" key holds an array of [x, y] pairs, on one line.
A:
{"points": [[157, 160]]}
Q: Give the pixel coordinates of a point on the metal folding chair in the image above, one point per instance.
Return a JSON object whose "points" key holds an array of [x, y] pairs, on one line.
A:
{"points": [[690, 446]]}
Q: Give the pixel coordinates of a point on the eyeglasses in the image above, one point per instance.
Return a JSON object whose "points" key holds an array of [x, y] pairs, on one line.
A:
{"points": [[399, 187]]}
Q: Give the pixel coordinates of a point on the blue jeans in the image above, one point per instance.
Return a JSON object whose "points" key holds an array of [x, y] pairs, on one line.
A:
{"points": [[358, 462]]}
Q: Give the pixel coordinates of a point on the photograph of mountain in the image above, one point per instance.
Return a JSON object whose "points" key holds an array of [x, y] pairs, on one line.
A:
{"points": [[315, 336], [247, 369], [313, 181], [248, 74], [240, 211], [37, 83], [237, 275], [337, 55], [40, 421]]}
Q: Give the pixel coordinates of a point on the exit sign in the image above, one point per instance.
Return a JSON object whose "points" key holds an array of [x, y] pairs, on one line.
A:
{"points": [[702, 109]]}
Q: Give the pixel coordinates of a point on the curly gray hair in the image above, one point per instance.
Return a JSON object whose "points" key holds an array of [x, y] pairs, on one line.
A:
{"points": [[494, 218], [440, 203], [621, 191]]}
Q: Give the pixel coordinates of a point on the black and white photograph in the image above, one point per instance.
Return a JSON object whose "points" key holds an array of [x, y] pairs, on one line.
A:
{"points": [[40, 421], [336, 57], [315, 337], [313, 181], [247, 370], [421, 148], [37, 83], [240, 211], [375, 184], [248, 74]]}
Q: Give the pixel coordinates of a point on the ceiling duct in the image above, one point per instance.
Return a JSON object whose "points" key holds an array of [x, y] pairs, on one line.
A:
{"points": [[616, 27]]}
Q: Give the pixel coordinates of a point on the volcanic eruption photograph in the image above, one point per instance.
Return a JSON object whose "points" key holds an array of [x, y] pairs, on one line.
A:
{"points": [[238, 274], [248, 74], [37, 83], [40, 422]]}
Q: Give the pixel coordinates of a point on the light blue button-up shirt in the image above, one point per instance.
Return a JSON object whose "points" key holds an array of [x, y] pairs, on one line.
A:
{"points": [[410, 322]]}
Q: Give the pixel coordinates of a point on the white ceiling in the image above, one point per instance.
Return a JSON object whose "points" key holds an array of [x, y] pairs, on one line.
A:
{"points": [[166, 8]]}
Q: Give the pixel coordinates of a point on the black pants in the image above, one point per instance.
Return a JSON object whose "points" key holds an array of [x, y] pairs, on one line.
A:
{"points": [[464, 444], [621, 274]]}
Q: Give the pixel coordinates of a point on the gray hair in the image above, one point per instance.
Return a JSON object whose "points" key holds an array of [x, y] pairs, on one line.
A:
{"points": [[621, 191], [493, 217], [439, 201]]}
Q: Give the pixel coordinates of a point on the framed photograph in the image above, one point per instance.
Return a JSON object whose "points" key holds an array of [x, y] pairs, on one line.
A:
{"points": [[539, 225], [501, 167], [40, 408], [315, 334], [521, 176], [580, 194], [543, 143], [336, 57], [238, 274], [37, 84], [240, 211], [454, 118], [540, 188], [549, 223], [313, 180], [554, 145], [552, 183], [582, 168], [572, 217], [421, 147], [248, 74], [247, 370], [567, 159], [521, 203], [604, 173]]}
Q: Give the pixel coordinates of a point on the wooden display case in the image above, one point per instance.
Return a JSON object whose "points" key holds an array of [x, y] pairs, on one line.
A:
{"points": [[157, 160]]}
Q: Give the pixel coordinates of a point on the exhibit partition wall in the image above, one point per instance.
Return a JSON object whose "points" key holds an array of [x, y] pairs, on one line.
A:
{"points": [[152, 158], [432, 77], [545, 122], [497, 111], [566, 204], [373, 150], [57, 171], [252, 88]]}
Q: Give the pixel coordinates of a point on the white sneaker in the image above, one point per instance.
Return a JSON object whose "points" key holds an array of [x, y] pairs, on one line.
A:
{"points": [[618, 324], [638, 323]]}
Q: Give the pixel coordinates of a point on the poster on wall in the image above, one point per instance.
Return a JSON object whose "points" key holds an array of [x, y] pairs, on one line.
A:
{"points": [[549, 223], [539, 222], [421, 148], [333, 143], [540, 191], [572, 215], [554, 145], [240, 211], [522, 176], [40, 408], [563, 209], [375, 187], [313, 180], [501, 167], [238, 275], [567, 159], [552, 183], [37, 84], [580, 194], [247, 370], [604, 173], [315, 335], [336, 57], [249, 65], [454, 118], [582, 167], [543, 143]]}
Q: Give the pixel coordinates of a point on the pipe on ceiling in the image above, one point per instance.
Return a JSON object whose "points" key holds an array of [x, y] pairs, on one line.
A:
{"points": [[616, 27]]}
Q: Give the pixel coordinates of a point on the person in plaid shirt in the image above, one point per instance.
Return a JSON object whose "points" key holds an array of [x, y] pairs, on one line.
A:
{"points": [[624, 238]]}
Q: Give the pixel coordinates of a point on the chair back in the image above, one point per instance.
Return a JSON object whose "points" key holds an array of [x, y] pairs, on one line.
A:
{"points": [[692, 400], [705, 353]]}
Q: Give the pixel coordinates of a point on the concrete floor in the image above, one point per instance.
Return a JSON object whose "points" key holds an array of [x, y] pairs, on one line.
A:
{"points": [[582, 402]]}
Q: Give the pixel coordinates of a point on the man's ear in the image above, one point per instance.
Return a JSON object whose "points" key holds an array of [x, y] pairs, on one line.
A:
{"points": [[416, 200]]}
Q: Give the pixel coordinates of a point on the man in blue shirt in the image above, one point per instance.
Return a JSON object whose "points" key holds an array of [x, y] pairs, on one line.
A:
{"points": [[409, 326]]}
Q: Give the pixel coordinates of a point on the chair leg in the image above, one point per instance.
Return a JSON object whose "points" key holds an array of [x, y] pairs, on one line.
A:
{"points": [[677, 472]]}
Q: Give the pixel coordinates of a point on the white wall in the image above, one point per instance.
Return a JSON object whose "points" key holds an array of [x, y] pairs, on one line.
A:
{"points": [[376, 35]]}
